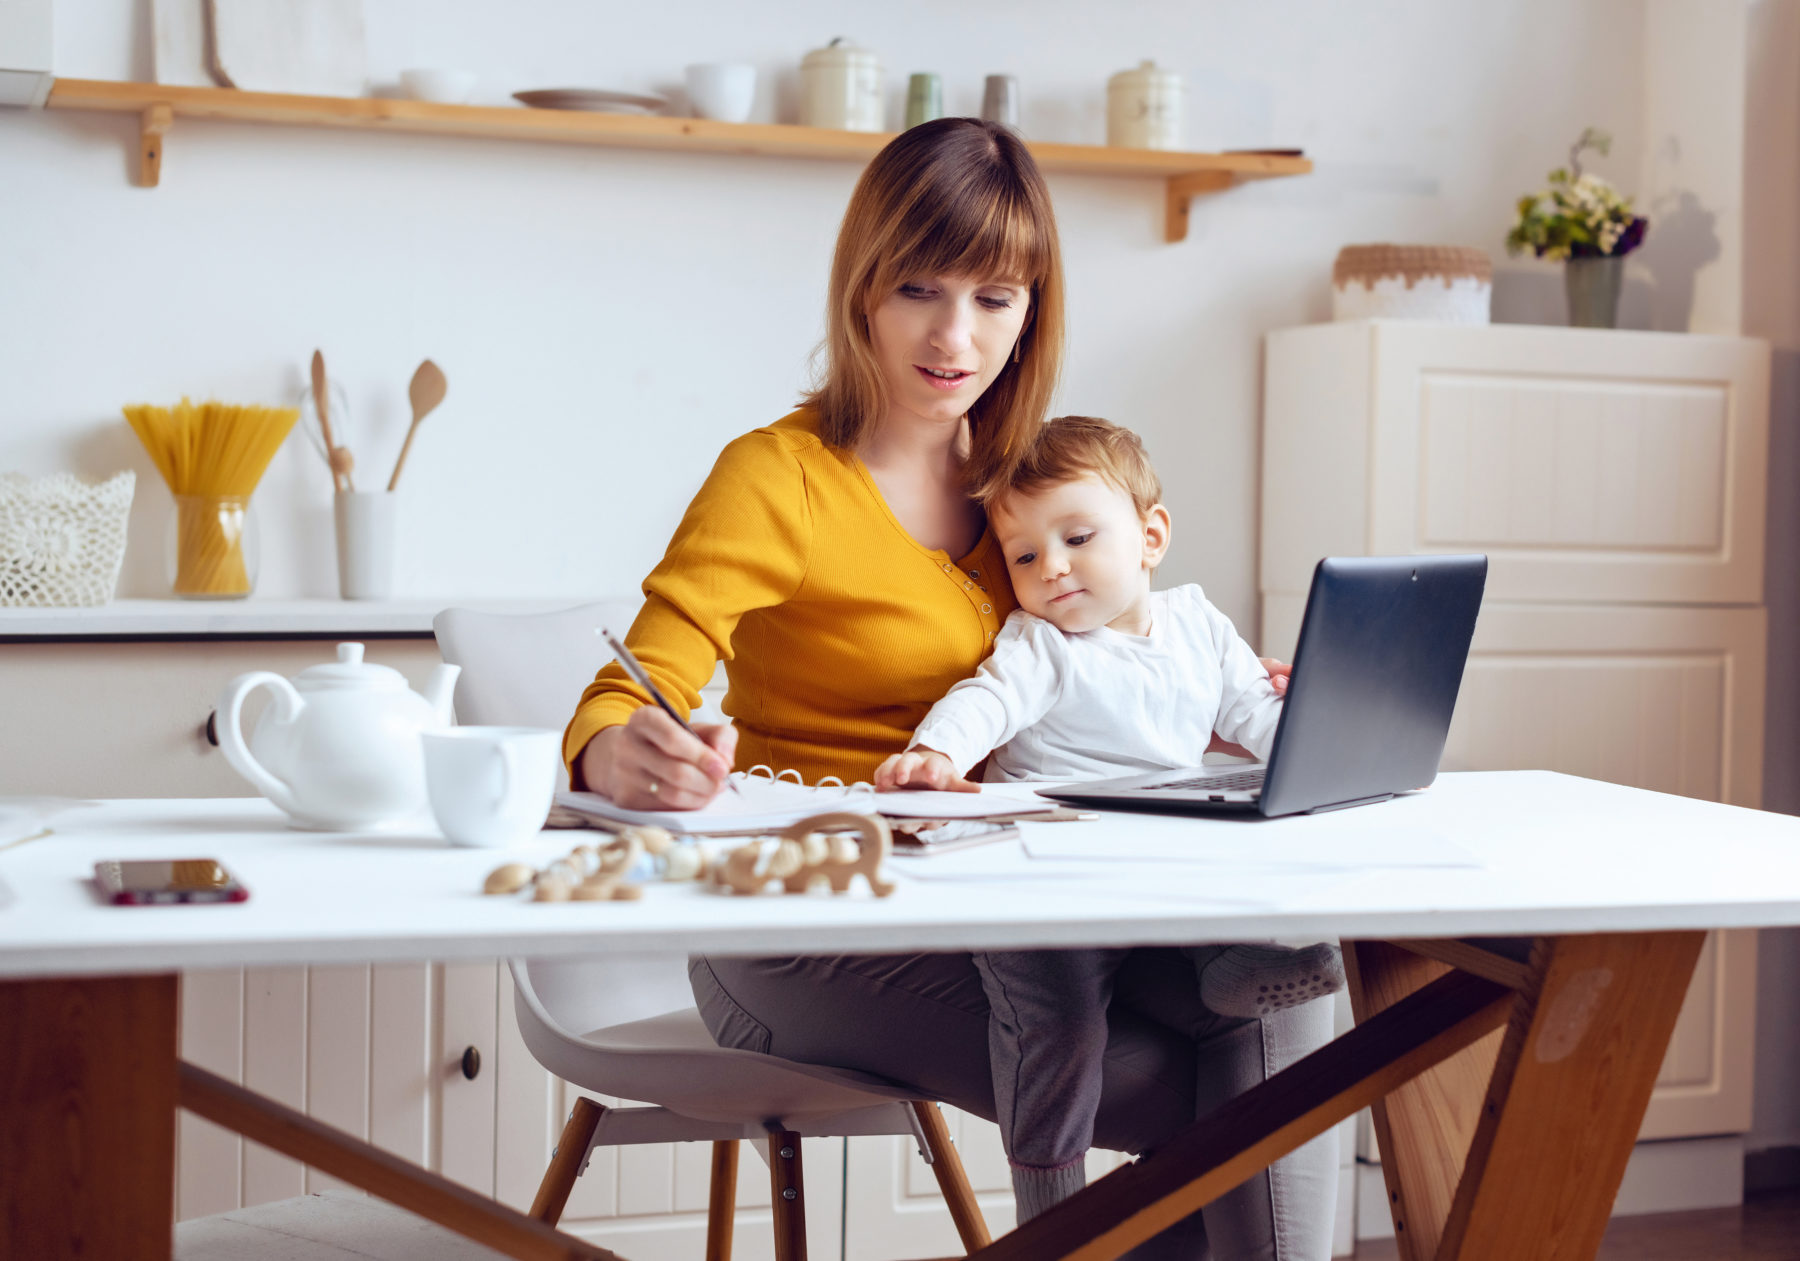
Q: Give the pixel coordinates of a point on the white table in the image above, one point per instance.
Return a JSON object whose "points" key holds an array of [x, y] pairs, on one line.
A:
{"points": [[1509, 1079]]}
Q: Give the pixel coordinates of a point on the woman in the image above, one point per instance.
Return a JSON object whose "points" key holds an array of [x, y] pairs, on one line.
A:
{"points": [[838, 564]]}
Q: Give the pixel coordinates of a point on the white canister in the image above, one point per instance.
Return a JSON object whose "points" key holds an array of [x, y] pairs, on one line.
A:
{"points": [[1145, 108], [840, 87]]}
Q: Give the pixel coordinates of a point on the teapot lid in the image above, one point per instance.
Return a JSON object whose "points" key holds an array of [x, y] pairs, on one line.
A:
{"points": [[350, 671]]}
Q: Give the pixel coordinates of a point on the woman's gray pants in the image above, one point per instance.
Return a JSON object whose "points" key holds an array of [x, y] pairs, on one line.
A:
{"points": [[922, 1020]]}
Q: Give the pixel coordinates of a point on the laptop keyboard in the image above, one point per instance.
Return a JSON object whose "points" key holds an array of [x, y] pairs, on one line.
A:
{"points": [[1237, 781]]}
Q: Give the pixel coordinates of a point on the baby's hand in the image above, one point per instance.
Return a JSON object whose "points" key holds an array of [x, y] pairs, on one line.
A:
{"points": [[920, 767]]}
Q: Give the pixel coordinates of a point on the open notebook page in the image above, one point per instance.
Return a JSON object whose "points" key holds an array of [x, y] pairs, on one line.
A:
{"points": [[772, 804]]}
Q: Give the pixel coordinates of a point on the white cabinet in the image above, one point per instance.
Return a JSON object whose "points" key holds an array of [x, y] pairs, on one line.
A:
{"points": [[1616, 481]]}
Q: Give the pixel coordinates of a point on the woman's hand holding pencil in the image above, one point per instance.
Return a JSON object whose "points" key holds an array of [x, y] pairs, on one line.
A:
{"points": [[657, 760]]}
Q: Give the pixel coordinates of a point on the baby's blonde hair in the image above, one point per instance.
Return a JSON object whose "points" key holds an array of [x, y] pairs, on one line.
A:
{"points": [[1065, 448]]}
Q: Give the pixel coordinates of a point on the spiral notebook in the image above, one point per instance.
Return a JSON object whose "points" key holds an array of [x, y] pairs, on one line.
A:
{"points": [[765, 802]]}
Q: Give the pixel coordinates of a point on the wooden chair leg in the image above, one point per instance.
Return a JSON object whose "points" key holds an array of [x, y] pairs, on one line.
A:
{"points": [[721, 1207], [952, 1180], [565, 1161], [787, 1195]]}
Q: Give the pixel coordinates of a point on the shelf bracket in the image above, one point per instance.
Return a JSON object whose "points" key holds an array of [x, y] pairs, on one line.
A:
{"points": [[153, 124], [1181, 189]]}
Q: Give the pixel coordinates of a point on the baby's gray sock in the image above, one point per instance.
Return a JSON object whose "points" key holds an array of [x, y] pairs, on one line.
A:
{"points": [[1258, 980], [1037, 1189]]}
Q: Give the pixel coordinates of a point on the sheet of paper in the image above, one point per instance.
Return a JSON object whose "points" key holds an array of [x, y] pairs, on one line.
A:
{"points": [[1256, 844], [921, 803], [758, 803]]}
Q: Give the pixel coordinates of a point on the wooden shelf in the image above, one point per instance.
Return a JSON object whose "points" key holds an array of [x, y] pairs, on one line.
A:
{"points": [[1185, 175]]}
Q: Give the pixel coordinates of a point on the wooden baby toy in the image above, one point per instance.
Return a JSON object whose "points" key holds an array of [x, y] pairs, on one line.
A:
{"points": [[805, 857]]}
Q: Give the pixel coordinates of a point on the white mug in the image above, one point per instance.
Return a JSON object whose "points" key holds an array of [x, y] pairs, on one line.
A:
{"points": [[723, 91], [491, 786]]}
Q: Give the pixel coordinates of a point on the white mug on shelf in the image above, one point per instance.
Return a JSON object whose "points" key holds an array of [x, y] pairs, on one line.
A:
{"points": [[367, 530], [491, 786], [722, 91]]}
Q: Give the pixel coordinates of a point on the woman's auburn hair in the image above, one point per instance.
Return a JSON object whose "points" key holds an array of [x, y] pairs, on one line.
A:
{"points": [[952, 197]]}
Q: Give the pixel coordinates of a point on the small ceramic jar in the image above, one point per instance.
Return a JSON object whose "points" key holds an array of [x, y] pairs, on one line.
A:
{"points": [[840, 87], [1145, 108]]}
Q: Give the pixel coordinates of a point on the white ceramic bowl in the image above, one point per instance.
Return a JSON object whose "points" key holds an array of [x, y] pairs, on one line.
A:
{"points": [[441, 86], [724, 91]]}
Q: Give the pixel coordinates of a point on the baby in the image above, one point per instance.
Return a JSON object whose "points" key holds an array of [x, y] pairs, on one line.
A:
{"points": [[1095, 675]]}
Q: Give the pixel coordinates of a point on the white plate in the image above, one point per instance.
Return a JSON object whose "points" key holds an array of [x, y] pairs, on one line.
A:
{"points": [[592, 99]]}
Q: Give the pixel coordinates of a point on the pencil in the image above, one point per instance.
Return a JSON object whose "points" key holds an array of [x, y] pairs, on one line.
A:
{"points": [[641, 677]]}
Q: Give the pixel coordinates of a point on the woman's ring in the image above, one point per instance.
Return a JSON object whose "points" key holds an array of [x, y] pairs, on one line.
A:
{"points": [[655, 787]]}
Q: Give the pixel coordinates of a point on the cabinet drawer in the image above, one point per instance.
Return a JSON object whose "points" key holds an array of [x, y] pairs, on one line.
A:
{"points": [[1591, 466], [126, 719]]}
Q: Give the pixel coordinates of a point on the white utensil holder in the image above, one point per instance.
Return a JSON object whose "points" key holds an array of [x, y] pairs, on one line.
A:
{"points": [[367, 534]]}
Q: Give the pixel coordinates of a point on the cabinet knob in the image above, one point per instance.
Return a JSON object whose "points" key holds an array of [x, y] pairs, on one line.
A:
{"points": [[212, 728], [471, 1062]]}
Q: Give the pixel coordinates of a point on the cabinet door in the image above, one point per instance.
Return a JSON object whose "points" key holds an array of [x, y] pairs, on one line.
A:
{"points": [[347, 1045], [1590, 465], [1667, 699]]}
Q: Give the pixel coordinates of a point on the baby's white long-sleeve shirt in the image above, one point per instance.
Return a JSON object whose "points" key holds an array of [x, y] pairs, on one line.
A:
{"points": [[1052, 705]]}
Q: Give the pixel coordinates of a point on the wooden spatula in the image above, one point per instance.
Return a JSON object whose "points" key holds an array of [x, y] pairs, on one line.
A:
{"points": [[426, 392]]}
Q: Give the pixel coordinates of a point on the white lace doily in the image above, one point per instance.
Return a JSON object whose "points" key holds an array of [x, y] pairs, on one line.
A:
{"points": [[61, 540]]}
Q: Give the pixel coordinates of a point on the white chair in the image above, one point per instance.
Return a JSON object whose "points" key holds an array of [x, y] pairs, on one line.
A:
{"points": [[627, 1026]]}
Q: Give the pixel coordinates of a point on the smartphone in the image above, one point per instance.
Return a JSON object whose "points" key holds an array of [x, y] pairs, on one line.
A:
{"points": [[149, 883]]}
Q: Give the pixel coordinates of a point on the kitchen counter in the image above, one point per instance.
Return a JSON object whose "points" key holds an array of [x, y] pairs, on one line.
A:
{"points": [[251, 619]]}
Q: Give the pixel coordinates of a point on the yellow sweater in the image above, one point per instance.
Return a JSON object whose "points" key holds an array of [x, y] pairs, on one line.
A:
{"points": [[837, 628]]}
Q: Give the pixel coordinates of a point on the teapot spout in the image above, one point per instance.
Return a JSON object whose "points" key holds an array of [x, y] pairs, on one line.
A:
{"points": [[440, 692]]}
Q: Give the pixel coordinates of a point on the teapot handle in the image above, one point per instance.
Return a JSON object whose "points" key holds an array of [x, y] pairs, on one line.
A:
{"points": [[231, 732]]}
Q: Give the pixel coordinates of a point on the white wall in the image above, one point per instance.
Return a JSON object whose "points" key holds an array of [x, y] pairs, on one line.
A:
{"points": [[608, 319], [1771, 309]]}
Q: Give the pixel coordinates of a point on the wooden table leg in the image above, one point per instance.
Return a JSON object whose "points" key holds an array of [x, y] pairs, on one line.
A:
{"points": [[1574, 1074], [1424, 1126], [87, 1090], [1514, 1149]]}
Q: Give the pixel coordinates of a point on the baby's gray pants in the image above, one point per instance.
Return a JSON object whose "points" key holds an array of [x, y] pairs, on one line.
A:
{"points": [[922, 1020]]}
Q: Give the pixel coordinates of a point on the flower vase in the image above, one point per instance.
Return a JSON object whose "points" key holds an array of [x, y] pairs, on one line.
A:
{"points": [[1593, 288]]}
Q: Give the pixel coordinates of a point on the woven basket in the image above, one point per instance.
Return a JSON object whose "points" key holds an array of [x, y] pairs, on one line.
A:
{"points": [[1449, 283], [61, 540]]}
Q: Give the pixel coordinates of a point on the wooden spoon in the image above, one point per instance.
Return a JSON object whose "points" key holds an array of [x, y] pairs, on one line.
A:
{"points": [[426, 392], [322, 405]]}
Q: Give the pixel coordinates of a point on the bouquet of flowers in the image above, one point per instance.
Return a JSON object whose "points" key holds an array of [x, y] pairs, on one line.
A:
{"points": [[1580, 215]]}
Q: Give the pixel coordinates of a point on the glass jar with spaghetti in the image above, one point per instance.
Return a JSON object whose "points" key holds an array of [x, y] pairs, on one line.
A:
{"points": [[212, 547]]}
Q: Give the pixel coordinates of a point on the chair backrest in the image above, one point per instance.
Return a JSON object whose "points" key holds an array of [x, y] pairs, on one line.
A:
{"points": [[528, 670]]}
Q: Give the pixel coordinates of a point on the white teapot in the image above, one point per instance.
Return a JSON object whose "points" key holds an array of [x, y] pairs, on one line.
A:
{"points": [[338, 748]]}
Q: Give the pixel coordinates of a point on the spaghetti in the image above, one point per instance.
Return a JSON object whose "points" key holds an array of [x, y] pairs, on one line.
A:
{"points": [[212, 456]]}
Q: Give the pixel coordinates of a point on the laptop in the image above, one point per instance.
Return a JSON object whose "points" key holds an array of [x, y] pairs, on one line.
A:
{"points": [[1376, 672]]}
